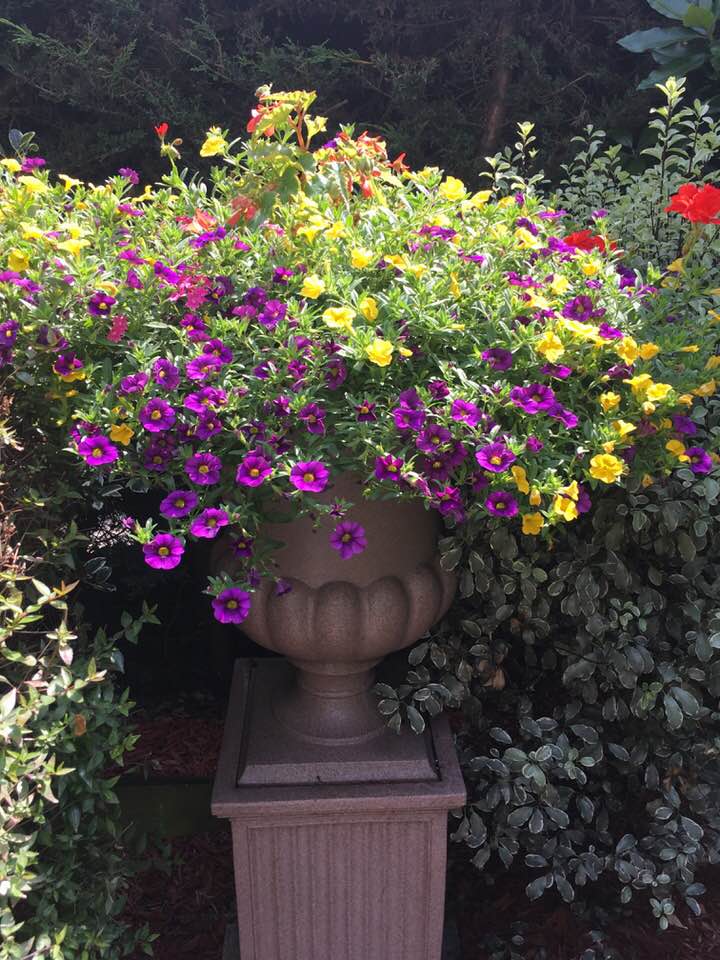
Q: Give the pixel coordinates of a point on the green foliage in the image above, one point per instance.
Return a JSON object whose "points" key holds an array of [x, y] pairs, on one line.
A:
{"points": [[441, 80], [678, 50], [65, 863]]}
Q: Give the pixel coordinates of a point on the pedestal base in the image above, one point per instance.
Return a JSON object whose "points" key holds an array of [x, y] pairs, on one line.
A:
{"points": [[340, 869]]}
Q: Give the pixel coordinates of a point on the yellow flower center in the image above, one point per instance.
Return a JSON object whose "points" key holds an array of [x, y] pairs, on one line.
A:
{"points": [[496, 460], [203, 468], [97, 451], [164, 551], [254, 472], [346, 538], [232, 604], [155, 415], [308, 477]]}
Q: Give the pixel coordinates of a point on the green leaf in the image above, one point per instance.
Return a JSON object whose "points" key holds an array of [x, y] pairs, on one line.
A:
{"points": [[676, 68], [673, 9], [643, 40], [701, 18]]}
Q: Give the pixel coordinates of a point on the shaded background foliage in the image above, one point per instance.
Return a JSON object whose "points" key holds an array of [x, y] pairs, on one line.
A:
{"points": [[444, 81]]}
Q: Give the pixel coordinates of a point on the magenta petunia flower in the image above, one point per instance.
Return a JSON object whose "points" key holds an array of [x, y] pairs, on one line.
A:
{"points": [[164, 552], [498, 358], [495, 457], [348, 538], [310, 475], [533, 399], [253, 470], [208, 524], [231, 606], [97, 450], [178, 504], [273, 313], [218, 349], [100, 303], [700, 460], [165, 374], [579, 308], [557, 370], [565, 416], [132, 176], [133, 383], [314, 418], [449, 503], [610, 333], [388, 468], [209, 398], [157, 415], [203, 366], [365, 412], [203, 468], [501, 504], [438, 389], [465, 412], [432, 437], [533, 444]]}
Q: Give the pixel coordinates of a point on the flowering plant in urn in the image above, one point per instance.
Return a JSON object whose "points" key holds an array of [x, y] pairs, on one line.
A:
{"points": [[317, 310]]}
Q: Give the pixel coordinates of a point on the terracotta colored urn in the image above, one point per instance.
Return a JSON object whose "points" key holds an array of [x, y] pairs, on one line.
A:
{"points": [[341, 617]]}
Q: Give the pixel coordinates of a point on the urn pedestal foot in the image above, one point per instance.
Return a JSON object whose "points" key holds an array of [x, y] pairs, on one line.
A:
{"points": [[339, 851]]}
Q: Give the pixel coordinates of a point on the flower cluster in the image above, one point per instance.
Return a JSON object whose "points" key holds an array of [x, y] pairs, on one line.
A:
{"points": [[330, 310]]}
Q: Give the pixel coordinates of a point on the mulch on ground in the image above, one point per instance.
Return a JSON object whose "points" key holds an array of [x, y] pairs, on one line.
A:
{"points": [[190, 906]]}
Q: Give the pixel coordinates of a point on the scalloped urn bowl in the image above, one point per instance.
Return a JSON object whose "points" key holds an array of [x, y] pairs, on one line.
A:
{"points": [[341, 617]]}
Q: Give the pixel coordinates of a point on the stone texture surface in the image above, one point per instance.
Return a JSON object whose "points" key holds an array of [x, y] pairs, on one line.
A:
{"points": [[338, 871]]}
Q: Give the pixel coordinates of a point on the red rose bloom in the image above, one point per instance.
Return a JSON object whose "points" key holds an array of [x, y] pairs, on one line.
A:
{"points": [[696, 204]]}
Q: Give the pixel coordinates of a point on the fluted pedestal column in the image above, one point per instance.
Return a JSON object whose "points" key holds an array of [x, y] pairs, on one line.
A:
{"points": [[339, 850]]}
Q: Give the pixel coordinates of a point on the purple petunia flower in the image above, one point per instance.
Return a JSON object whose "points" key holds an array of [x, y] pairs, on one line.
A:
{"points": [[97, 450], [557, 370], [281, 275], [156, 458], [438, 389], [501, 504], [217, 348], [437, 468], [388, 468], [255, 297], [684, 425], [309, 475], [253, 470], [335, 374], [533, 399], [579, 308], [232, 605], [178, 504], [132, 176], [100, 303], [273, 313], [314, 418], [203, 366], [242, 546], [365, 412], [203, 468], [348, 538], [66, 364], [565, 416], [432, 437], [533, 444], [165, 374], [700, 460], [132, 279], [208, 398], [498, 358], [449, 503], [208, 426], [8, 333], [495, 457], [619, 371], [164, 552], [408, 418], [195, 327], [610, 333], [157, 415], [208, 524], [465, 412]]}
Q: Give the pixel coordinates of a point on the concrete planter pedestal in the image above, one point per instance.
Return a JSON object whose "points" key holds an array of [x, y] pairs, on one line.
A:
{"points": [[339, 825], [335, 871]]}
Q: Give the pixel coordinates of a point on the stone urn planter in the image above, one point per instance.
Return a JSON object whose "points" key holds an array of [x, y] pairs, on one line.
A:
{"points": [[319, 792]]}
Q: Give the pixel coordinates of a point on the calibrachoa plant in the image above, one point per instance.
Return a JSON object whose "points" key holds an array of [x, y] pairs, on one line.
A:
{"points": [[317, 309]]}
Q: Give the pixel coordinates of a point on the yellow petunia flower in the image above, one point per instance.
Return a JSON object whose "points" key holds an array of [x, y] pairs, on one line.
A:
{"points": [[380, 352], [606, 467], [18, 261], [416, 269], [648, 408], [550, 346], [455, 286], [524, 240], [11, 165], [686, 399], [559, 284], [312, 286], [73, 246], [690, 348], [315, 225], [335, 231], [640, 383], [31, 231], [368, 308], [505, 202], [479, 199], [535, 499], [566, 500], [706, 389], [520, 478], [627, 350], [121, 433], [68, 181], [452, 189], [623, 427], [658, 391], [33, 185], [215, 143], [360, 257], [339, 318], [609, 400], [532, 523], [676, 448], [713, 363], [677, 266], [590, 268], [647, 480], [609, 447], [648, 350], [404, 352]]}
